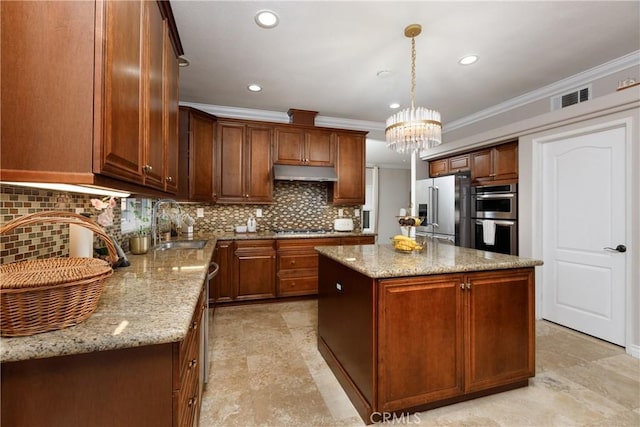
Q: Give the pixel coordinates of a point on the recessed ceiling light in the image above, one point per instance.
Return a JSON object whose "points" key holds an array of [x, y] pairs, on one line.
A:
{"points": [[266, 18], [468, 60], [394, 105], [254, 87]]}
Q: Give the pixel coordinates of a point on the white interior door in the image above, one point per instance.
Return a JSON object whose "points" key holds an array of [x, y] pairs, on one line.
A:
{"points": [[583, 212]]}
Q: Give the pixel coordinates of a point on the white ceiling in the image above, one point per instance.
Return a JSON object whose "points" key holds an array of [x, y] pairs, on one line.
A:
{"points": [[324, 55]]}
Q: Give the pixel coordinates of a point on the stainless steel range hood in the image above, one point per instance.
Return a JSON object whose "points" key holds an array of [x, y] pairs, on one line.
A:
{"points": [[304, 173]]}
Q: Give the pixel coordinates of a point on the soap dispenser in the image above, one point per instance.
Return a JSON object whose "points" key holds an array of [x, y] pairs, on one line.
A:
{"points": [[251, 225]]}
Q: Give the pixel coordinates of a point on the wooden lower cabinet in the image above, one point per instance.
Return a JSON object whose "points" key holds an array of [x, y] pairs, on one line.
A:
{"points": [[434, 340], [155, 385], [261, 269], [298, 265], [254, 269]]}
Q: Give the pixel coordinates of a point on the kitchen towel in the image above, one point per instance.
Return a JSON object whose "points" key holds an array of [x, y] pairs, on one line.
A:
{"points": [[488, 232]]}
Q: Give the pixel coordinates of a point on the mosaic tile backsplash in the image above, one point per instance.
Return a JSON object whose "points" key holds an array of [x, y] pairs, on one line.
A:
{"points": [[297, 205]]}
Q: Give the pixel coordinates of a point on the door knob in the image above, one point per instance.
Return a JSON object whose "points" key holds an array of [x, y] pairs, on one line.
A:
{"points": [[619, 248]]}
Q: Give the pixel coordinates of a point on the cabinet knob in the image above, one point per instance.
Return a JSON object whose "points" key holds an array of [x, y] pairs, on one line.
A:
{"points": [[194, 325], [468, 286], [192, 401], [169, 179], [462, 286], [192, 363], [147, 168]]}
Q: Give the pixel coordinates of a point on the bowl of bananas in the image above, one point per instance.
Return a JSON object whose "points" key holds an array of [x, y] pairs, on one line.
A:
{"points": [[405, 244]]}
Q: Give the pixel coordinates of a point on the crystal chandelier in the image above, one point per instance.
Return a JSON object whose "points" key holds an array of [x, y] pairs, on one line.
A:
{"points": [[414, 128]]}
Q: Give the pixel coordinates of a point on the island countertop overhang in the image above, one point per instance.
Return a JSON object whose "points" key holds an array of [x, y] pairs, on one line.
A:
{"points": [[383, 261]]}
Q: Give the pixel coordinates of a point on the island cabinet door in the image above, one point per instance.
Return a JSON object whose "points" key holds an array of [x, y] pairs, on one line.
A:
{"points": [[500, 329], [420, 341]]}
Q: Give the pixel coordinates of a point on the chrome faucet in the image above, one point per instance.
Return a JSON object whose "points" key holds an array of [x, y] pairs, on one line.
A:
{"points": [[154, 216]]}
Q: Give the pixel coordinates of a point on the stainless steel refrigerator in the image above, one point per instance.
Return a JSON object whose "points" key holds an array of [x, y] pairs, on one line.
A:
{"points": [[444, 203]]}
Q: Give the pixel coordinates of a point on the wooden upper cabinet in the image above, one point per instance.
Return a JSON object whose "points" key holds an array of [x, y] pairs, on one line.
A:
{"points": [[154, 98], [257, 167], [450, 165], [438, 167], [123, 145], [197, 151], [90, 78], [171, 114], [499, 163], [47, 102], [243, 162], [320, 147], [459, 164], [350, 168], [299, 146], [288, 146]]}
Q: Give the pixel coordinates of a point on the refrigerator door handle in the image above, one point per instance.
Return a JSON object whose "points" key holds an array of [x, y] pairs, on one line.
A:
{"points": [[507, 223], [436, 206], [432, 214]]}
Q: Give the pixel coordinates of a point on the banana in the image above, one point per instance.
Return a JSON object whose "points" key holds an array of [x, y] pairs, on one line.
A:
{"points": [[401, 237]]}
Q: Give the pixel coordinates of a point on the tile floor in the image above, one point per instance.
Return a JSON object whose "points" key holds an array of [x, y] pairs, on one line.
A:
{"points": [[266, 371]]}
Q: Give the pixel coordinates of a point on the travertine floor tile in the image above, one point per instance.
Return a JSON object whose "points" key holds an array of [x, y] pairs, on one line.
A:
{"points": [[266, 371]]}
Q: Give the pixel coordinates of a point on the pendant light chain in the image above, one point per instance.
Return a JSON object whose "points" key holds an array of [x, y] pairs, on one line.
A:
{"points": [[413, 71]]}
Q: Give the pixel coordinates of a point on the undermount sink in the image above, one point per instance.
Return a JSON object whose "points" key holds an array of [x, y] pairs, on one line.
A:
{"points": [[181, 244]]}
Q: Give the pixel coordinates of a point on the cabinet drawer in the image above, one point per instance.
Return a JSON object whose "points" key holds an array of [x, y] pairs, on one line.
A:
{"points": [[294, 262], [298, 286], [190, 345], [188, 404]]}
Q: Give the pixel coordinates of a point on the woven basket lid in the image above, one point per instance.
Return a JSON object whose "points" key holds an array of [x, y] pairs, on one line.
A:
{"points": [[51, 271]]}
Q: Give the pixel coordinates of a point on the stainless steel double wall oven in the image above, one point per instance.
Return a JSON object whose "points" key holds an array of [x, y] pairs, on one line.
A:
{"points": [[495, 207]]}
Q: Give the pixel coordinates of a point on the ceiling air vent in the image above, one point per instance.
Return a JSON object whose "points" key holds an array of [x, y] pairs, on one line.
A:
{"points": [[571, 98]]}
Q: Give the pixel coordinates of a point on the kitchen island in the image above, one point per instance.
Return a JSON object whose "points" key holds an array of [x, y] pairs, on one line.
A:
{"points": [[135, 362], [409, 332]]}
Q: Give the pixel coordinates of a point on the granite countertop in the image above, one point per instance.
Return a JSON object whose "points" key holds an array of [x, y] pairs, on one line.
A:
{"points": [[271, 235], [382, 261], [150, 302]]}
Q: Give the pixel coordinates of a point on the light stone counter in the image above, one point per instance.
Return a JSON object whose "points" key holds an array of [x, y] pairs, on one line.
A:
{"points": [[150, 302], [271, 235], [382, 261]]}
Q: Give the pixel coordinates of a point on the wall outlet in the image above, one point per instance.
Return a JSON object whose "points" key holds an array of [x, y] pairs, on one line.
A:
{"points": [[340, 213], [200, 212], [258, 213], [356, 212]]}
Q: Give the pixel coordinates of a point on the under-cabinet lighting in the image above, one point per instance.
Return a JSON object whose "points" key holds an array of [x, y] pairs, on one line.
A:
{"points": [[73, 188]]}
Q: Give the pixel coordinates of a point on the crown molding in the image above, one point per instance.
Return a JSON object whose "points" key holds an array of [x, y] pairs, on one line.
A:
{"points": [[279, 117], [376, 129], [627, 61]]}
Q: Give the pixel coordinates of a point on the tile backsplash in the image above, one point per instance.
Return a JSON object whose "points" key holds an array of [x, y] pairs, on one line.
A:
{"points": [[296, 205]]}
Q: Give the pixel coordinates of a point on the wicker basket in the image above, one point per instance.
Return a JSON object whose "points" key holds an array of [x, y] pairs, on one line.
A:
{"points": [[48, 294]]}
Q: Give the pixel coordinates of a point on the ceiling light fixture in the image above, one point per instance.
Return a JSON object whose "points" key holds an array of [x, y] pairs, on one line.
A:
{"points": [[394, 105], [254, 87], [415, 128], [266, 19], [468, 60]]}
